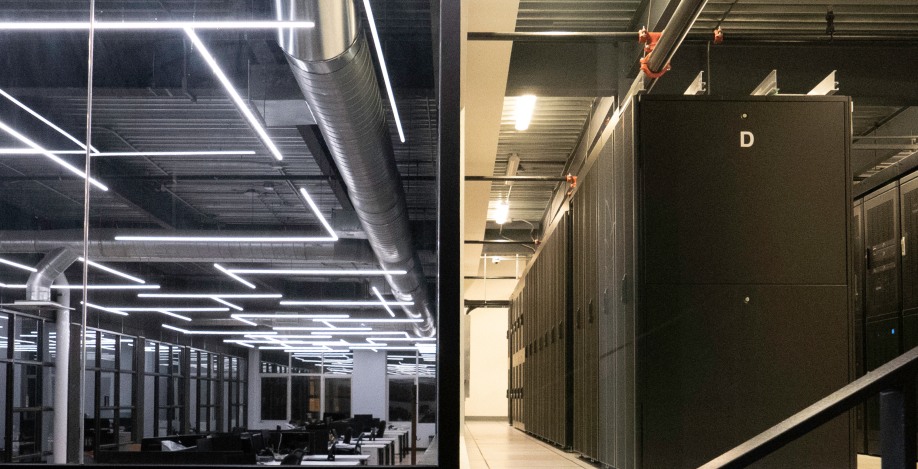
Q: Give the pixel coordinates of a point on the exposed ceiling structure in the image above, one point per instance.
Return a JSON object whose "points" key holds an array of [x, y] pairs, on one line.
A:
{"points": [[155, 92], [803, 42]]}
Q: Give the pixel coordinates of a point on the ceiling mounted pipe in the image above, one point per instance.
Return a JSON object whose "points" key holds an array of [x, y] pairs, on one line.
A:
{"points": [[676, 29], [334, 68], [104, 248], [47, 271]]}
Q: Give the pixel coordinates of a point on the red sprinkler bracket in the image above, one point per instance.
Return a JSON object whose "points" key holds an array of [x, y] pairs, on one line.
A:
{"points": [[649, 40], [718, 36], [573, 181]]}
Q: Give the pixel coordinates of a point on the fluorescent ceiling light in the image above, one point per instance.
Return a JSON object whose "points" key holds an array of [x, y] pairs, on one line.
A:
{"points": [[245, 321], [315, 210], [501, 212], [316, 272], [167, 308], [18, 265], [234, 276], [315, 335], [322, 317], [92, 287], [107, 310], [234, 95], [210, 295], [32, 151], [186, 331], [226, 239], [344, 303], [152, 25], [383, 301], [409, 339], [322, 328], [47, 122], [111, 270], [525, 105], [368, 320], [170, 313], [335, 332], [382, 65], [242, 344], [175, 153], [52, 156], [227, 303]]}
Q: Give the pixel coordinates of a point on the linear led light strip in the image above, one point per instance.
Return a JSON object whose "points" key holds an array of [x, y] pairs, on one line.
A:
{"points": [[382, 64], [227, 303], [367, 320], [152, 25], [32, 151], [232, 275], [383, 301], [18, 265], [107, 310], [316, 272], [52, 156], [189, 332], [335, 332], [241, 318], [210, 295], [344, 303], [322, 329], [47, 122], [315, 210], [234, 95], [91, 287], [111, 270]]}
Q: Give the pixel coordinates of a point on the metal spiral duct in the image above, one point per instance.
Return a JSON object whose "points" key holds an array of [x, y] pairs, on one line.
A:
{"points": [[334, 69], [103, 247]]}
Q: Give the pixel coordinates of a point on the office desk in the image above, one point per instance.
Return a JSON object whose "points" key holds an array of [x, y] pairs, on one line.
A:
{"points": [[315, 463], [363, 459]]}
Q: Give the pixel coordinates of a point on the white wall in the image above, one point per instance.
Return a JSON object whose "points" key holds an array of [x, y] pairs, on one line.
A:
{"points": [[488, 363], [368, 384]]}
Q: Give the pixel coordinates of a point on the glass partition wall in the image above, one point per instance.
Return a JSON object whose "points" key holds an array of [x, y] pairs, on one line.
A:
{"points": [[233, 277]]}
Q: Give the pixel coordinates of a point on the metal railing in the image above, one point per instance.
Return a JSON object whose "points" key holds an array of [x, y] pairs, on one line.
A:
{"points": [[894, 382]]}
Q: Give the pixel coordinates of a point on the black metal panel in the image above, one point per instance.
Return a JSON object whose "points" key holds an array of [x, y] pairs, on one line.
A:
{"points": [[882, 346], [909, 243], [881, 236], [723, 222], [718, 370], [859, 260], [697, 176]]}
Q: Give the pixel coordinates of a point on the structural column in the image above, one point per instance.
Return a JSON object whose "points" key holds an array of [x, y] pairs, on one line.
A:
{"points": [[61, 372]]}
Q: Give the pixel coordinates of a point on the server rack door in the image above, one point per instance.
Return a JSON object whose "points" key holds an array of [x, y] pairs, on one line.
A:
{"points": [[859, 259], [723, 223], [882, 242], [882, 293], [578, 253], [908, 190]]}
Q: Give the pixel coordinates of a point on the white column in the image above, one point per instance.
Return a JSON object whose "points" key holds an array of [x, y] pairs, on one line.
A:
{"points": [[254, 389], [368, 384], [61, 373]]}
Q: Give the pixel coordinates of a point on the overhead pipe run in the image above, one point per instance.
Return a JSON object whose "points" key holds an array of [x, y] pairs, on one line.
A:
{"points": [[334, 68], [104, 248]]}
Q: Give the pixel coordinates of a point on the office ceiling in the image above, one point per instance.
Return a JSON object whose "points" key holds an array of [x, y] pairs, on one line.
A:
{"points": [[154, 93]]}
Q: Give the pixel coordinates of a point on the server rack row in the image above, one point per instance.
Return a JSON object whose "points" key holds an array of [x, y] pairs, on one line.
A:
{"points": [[541, 344], [885, 233], [708, 286]]}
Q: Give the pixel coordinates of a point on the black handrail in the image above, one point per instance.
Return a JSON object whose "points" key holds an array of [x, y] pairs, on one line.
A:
{"points": [[894, 381]]}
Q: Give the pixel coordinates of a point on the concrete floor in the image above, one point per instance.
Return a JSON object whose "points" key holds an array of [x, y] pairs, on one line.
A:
{"points": [[496, 445]]}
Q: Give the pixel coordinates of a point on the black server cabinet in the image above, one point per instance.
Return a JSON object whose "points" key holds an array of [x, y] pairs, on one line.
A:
{"points": [[709, 264], [541, 384], [711, 296], [882, 293], [859, 259]]}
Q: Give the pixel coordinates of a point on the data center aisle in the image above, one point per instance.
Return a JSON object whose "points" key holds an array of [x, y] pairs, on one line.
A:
{"points": [[496, 445]]}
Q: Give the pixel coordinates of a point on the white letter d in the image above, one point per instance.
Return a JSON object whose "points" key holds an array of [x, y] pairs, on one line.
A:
{"points": [[746, 139]]}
